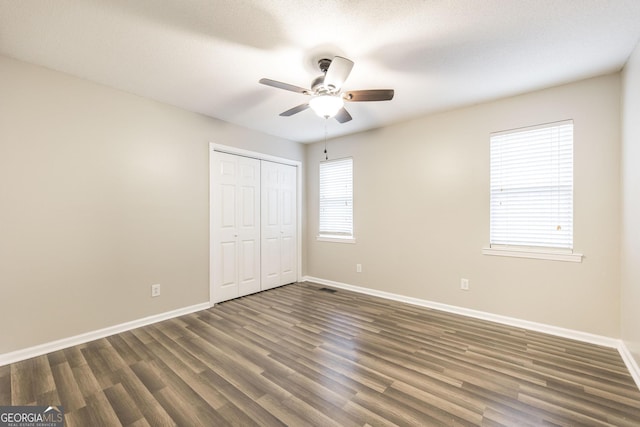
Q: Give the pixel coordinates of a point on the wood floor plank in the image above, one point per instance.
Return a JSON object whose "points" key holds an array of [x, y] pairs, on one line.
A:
{"points": [[100, 411], [57, 357], [282, 412], [125, 407], [87, 382], [29, 379], [183, 412], [312, 415], [67, 387], [444, 411], [367, 417], [137, 345], [494, 417], [101, 368], [316, 396], [74, 356], [319, 374], [250, 406], [153, 412], [128, 355], [5, 385], [179, 356], [572, 417], [235, 416], [580, 404], [243, 379], [299, 356], [394, 410]]}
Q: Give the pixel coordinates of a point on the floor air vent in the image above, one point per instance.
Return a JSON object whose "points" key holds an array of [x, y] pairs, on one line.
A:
{"points": [[331, 291]]}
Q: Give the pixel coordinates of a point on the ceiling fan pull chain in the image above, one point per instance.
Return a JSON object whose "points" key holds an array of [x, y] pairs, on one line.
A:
{"points": [[326, 156]]}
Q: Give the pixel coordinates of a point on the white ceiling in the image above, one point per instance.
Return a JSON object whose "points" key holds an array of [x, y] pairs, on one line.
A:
{"points": [[207, 56]]}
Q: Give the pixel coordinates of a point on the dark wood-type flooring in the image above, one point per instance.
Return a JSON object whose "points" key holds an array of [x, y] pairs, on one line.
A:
{"points": [[297, 355]]}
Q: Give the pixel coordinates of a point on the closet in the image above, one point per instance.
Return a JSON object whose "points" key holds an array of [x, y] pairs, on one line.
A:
{"points": [[253, 214]]}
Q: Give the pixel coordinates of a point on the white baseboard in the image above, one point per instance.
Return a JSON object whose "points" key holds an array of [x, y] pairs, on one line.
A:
{"points": [[619, 345], [630, 361], [38, 350], [511, 321]]}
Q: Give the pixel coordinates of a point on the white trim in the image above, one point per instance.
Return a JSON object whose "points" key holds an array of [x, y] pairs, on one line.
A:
{"points": [[336, 239], [630, 361], [533, 253], [260, 156], [39, 350], [511, 321], [534, 127], [253, 154]]}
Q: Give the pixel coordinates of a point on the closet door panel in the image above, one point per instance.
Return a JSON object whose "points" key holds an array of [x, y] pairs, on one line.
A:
{"points": [[228, 263], [270, 263], [248, 218], [235, 226], [249, 272], [288, 225], [279, 240]]}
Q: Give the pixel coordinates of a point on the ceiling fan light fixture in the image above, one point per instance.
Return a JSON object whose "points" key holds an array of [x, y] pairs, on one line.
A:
{"points": [[326, 105], [327, 97]]}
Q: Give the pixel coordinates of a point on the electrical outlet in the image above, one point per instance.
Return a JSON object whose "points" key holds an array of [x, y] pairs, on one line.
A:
{"points": [[155, 290], [358, 268], [464, 284]]}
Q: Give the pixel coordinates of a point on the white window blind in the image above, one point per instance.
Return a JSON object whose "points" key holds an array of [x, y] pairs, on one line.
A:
{"points": [[532, 186], [336, 198]]}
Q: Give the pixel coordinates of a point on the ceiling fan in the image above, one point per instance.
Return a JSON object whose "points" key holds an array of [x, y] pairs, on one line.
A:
{"points": [[327, 97]]}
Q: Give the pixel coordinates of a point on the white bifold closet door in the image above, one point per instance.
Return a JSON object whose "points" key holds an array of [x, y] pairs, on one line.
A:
{"points": [[278, 224], [235, 223], [253, 225]]}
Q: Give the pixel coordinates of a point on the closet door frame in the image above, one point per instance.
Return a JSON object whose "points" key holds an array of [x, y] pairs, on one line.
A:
{"points": [[212, 181]]}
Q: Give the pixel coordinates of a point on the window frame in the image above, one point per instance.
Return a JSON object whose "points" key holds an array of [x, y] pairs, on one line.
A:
{"points": [[329, 236], [539, 251]]}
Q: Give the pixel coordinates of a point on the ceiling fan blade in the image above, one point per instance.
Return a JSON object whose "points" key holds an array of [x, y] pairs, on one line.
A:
{"points": [[343, 115], [294, 110], [285, 86], [368, 95], [338, 71]]}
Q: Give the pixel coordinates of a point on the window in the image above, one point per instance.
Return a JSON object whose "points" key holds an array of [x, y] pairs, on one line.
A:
{"points": [[336, 200], [532, 189]]}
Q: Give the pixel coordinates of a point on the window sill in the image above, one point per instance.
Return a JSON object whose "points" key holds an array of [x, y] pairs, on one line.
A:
{"points": [[548, 254], [336, 239]]}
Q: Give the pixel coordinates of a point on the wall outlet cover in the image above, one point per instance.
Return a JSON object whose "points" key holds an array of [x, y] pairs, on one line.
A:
{"points": [[155, 290]]}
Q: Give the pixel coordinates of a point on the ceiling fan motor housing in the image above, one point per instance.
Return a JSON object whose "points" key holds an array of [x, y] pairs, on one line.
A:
{"points": [[324, 64], [317, 85]]}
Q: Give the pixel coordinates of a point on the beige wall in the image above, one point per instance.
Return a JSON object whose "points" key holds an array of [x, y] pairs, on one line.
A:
{"points": [[102, 194], [631, 205], [422, 211]]}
